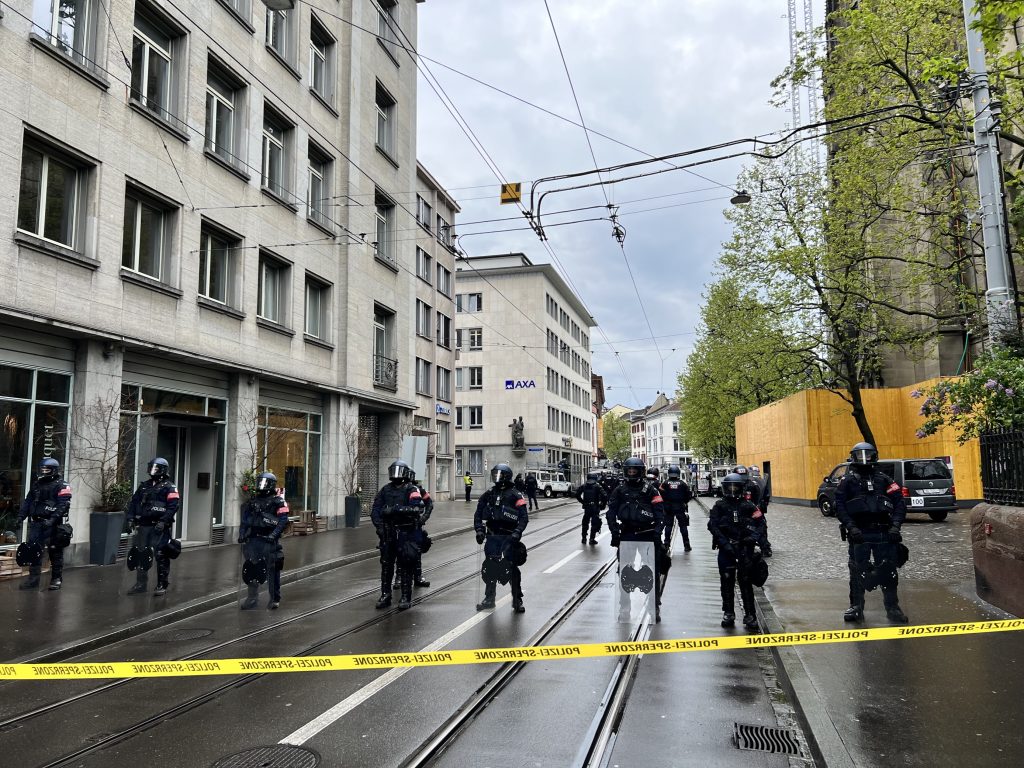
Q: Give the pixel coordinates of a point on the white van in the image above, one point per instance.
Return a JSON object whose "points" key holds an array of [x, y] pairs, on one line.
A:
{"points": [[551, 483]]}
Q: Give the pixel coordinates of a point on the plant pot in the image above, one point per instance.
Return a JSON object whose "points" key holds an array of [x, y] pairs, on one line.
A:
{"points": [[104, 536], [352, 511]]}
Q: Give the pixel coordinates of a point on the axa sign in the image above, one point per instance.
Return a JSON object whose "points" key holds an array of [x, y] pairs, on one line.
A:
{"points": [[520, 384]]}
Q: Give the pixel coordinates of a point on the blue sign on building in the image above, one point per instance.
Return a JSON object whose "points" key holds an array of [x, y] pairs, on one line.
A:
{"points": [[520, 384]]}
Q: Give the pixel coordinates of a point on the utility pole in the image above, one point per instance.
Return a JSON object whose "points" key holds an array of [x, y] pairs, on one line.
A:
{"points": [[999, 296]]}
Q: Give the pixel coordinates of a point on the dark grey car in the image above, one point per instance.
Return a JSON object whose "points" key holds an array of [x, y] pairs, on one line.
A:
{"points": [[927, 486]]}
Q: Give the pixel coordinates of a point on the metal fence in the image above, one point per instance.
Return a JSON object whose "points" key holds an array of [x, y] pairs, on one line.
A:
{"points": [[1002, 466]]}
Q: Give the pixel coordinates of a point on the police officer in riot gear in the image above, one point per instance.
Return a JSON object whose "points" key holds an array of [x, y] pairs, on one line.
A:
{"points": [[736, 526], [592, 496], [870, 509], [636, 513], [264, 518], [500, 519], [396, 516], [754, 489], [676, 493], [609, 482], [46, 506], [428, 509], [152, 510]]}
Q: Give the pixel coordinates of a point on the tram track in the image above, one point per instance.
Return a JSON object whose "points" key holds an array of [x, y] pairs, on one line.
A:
{"points": [[103, 741]]}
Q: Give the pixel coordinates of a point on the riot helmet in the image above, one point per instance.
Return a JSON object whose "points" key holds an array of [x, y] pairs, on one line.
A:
{"points": [[592, 477], [633, 470], [863, 455], [652, 473], [501, 475], [733, 485], [158, 468], [49, 469], [398, 472], [741, 470], [754, 471], [674, 473], [266, 483]]}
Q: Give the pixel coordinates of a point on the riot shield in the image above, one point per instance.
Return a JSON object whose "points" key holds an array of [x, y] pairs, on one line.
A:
{"points": [[494, 569], [139, 575], [259, 584], [635, 582], [15, 571]]}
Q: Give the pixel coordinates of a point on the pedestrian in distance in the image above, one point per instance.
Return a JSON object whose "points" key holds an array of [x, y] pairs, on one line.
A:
{"points": [[594, 500], [468, 481], [677, 495], [531, 490], [151, 514], [737, 527], [262, 522], [500, 519], [396, 516], [519, 483], [46, 507], [871, 510]]}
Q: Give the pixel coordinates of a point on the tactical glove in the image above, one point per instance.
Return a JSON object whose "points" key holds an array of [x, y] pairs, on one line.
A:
{"points": [[160, 525], [516, 535], [855, 535], [895, 537], [480, 536]]}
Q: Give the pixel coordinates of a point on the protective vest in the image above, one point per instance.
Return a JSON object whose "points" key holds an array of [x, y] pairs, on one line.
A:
{"points": [[635, 512], [401, 504], [262, 515], [592, 493], [49, 499], [866, 501], [734, 518], [153, 505], [675, 494], [502, 514]]}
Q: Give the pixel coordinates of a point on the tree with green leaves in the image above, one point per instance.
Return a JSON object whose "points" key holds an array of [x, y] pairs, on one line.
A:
{"points": [[616, 437]]}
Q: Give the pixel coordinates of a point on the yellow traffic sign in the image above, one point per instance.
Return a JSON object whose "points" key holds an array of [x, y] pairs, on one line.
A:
{"points": [[511, 193]]}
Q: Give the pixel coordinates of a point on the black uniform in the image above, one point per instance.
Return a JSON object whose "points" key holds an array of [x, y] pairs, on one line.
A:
{"points": [[636, 513], [757, 494], [676, 495], [152, 510], [396, 516], [263, 520], [609, 482], [531, 491], [871, 508], [593, 498], [500, 519], [46, 506], [417, 575], [736, 526]]}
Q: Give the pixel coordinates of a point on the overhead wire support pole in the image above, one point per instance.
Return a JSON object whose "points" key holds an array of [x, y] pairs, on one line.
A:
{"points": [[999, 295]]}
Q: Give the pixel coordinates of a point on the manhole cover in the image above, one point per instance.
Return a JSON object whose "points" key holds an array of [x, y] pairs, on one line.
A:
{"points": [[179, 635], [277, 756], [766, 739]]}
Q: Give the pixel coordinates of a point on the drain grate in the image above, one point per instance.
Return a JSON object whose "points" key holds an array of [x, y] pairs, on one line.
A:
{"points": [[179, 635], [277, 756], [766, 739]]}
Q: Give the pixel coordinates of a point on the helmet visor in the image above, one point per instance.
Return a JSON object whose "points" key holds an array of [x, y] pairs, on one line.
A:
{"points": [[733, 490], [264, 484], [862, 456], [155, 470], [396, 472]]}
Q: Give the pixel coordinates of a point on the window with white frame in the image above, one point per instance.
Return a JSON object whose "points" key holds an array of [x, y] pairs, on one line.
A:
{"points": [[217, 251], [585, 340], [385, 218], [321, 60], [476, 338], [444, 435], [423, 265], [387, 23], [385, 120], [444, 385], [224, 94], [458, 417], [444, 281], [422, 376], [423, 312], [476, 461], [469, 302], [460, 379], [445, 236], [241, 7], [69, 26], [280, 29], [318, 190], [276, 161], [424, 213], [155, 66], [147, 233], [51, 194], [272, 291], [476, 377], [444, 330], [552, 342], [475, 416], [317, 303]]}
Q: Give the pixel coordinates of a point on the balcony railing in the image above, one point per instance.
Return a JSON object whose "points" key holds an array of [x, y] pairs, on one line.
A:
{"points": [[385, 372], [1002, 466]]}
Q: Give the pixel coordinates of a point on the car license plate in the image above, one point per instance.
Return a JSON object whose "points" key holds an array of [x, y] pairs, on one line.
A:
{"points": [[932, 491], [917, 501]]}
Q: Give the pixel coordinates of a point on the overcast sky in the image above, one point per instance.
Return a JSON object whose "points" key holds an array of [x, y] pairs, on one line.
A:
{"points": [[662, 76]]}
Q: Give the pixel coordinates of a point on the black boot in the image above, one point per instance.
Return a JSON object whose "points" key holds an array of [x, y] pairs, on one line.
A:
{"points": [[487, 602], [854, 613], [384, 601], [517, 603], [137, 588], [55, 583], [161, 588], [686, 541], [406, 602], [728, 619], [750, 620], [895, 614], [418, 580], [32, 583]]}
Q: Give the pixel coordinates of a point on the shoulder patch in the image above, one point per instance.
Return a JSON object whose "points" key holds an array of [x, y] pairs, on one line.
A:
{"points": [[520, 502], [415, 495], [65, 491], [657, 499], [173, 494], [893, 487]]}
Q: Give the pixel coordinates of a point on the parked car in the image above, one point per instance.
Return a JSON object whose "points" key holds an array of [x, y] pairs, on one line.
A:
{"points": [[927, 486], [710, 483], [552, 483]]}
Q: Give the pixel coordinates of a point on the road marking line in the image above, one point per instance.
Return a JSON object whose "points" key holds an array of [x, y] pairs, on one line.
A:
{"points": [[569, 557], [343, 707]]}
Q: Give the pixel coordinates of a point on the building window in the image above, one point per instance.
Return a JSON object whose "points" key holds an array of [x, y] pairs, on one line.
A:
{"points": [[387, 24], [147, 234], [274, 170], [444, 433], [279, 33], [476, 338], [553, 343], [288, 444], [444, 331], [223, 127], [51, 194], [469, 302], [154, 68], [272, 291], [385, 120], [422, 319], [444, 384], [217, 265], [321, 61], [423, 213], [444, 281], [476, 461], [385, 217], [445, 236], [476, 377], [423, 264], [458, 417], [422, 376], [318, 190], [385, 367], [476, 416], [69, 26], [317, 295]]}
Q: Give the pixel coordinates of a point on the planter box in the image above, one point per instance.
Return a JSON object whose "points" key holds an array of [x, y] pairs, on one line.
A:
{"points": [[997, 543]]}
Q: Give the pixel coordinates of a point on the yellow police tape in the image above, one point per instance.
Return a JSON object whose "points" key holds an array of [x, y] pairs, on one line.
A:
{"points": [[131, 669]]}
